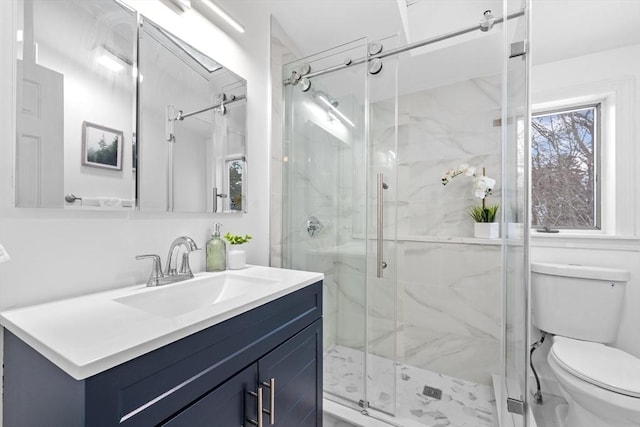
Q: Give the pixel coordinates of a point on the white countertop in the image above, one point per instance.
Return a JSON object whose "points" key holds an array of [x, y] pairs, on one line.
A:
{"points": [[89, 334]]}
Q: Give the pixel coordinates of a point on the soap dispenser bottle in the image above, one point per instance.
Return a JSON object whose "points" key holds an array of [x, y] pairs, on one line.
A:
{"points": [[216, 251]]}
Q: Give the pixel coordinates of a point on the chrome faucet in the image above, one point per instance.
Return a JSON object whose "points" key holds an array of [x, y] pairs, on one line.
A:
{"points": [[190, 246], [172, 274]]}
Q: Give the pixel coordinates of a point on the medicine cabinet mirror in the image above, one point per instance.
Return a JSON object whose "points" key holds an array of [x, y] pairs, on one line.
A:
{"points": [[114, 112], [192, 119], [75, 118]]}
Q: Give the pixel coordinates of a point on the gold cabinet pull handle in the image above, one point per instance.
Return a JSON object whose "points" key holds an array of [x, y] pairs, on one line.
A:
{"points": [[271, 385]]}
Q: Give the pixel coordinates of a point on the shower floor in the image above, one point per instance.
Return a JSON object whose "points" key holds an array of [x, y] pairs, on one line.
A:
{"points": [[463, 403]]}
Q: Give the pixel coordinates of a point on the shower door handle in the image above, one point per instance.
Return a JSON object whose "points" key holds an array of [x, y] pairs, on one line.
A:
{"points": [[380, 264]]}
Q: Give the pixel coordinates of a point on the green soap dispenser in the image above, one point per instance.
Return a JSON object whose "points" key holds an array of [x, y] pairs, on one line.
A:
{"points": [[216, 251]]}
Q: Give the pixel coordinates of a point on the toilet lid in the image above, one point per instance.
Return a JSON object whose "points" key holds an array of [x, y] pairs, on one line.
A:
{"points": [[606, 367]]}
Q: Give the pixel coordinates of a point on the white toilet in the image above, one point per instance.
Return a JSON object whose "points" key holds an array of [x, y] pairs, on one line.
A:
{"points": [[581, 307]]}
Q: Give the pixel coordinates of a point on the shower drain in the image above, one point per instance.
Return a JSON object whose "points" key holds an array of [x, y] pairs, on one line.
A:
{"points": [[433, 392]]}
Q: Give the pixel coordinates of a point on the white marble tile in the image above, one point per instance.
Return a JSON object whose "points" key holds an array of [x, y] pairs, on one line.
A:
{"points": [[443, 312], [438, 130], [462, 403], [329, 421], [451, 315]]}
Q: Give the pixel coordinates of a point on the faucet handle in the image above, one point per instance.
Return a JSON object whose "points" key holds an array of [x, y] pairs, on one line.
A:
{"points": [[156, 271], [185, 268]]}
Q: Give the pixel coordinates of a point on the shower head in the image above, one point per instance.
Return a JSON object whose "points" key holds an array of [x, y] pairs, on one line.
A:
{"points": [[486, 23]]}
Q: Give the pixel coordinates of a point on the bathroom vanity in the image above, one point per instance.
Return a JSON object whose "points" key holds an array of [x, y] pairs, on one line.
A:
{"points": [[250, 358]]}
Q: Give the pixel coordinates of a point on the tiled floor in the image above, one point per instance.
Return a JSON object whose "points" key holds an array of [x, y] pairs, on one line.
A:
{"points": [[463, 403]]}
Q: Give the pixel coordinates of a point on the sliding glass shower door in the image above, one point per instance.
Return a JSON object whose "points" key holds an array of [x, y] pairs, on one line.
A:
{"points": [[325, 204], [423, 321], [513, 399], [383, 188], [339, 213]]}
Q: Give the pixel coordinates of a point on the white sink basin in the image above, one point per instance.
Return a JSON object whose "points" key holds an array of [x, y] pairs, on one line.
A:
{"points": [[200, 292]]}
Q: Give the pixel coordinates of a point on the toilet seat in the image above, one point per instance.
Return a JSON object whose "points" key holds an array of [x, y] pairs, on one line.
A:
{"points": [[595, 363]]}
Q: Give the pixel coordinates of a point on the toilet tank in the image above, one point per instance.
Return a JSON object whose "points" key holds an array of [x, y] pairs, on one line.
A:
{"points": [[577, 301]]}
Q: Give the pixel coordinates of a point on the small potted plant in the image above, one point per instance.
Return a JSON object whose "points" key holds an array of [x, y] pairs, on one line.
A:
{"points": [[483, 215], [236, 257]]}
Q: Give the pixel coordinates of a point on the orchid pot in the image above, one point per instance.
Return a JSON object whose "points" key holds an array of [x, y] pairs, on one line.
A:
{"points": [[486, 230], [484, 215]]}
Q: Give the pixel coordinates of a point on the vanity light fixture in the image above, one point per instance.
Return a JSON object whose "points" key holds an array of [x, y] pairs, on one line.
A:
{"points": [[224, 15], [110, 63], [110, 59], [335, 110]]}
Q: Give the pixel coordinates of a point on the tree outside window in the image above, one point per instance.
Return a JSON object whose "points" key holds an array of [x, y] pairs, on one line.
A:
{"points": [[564, 166]]}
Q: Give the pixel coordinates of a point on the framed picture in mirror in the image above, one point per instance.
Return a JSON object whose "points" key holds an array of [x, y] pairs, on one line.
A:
{"points": [[101, 146]]}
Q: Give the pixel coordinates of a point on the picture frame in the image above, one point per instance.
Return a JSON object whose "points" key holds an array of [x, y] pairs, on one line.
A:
{"points": [[101, 146]]}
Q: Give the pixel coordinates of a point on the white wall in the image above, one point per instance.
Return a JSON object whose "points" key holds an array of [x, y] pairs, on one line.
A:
{"points": [[69, 248], [57, 253], [616, 72]]}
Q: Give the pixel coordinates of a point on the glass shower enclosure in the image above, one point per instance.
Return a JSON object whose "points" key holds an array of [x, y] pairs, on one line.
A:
{"points": [[423, 322]]}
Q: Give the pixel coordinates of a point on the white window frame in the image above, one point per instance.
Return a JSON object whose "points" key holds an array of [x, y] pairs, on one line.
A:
{"points": [[607, 159], [598, 141]]}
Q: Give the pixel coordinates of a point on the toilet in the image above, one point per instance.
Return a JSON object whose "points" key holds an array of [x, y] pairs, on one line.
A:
{"points": [[581, 306]]}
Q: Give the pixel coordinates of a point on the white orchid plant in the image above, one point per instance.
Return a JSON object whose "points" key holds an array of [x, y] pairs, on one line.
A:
{"points": [[482, 187]]}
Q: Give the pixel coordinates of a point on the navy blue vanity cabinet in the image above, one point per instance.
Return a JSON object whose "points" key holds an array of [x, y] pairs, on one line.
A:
{"points": [[293, 366], [290, 369], [210, 378], [229, 404]]}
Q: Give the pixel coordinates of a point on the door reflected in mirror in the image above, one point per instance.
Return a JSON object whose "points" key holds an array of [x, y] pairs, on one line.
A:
{"points": [[75, 65]]}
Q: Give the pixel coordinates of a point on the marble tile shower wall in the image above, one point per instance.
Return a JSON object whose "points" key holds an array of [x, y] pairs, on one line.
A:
{"points": [[447, 316], [439, 129], [451, 318], [448, 294], [316, 163], [448, 308]]}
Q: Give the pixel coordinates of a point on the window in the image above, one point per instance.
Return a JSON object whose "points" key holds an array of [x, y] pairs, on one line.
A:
{"points": [[235, 170], [565, 190]]}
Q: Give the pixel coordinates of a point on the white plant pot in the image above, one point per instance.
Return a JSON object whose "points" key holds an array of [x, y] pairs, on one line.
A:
{"points": [[236, 259], [515, 230], [486, 230]]}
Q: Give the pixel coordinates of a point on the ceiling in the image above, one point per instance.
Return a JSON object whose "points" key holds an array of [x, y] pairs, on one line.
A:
{"points": [[316, 25], [560, 28]]}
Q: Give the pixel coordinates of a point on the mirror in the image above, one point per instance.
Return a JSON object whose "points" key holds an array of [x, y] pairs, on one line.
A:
{"points": [[76, 99], [192, 119], [112, 114]]}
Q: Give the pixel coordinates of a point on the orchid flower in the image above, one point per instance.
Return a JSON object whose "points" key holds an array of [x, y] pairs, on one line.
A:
{"points": [[482, 185]]}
